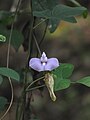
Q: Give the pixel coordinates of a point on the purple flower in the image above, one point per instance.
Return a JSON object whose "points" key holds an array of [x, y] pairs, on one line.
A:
{"points": [[43, 64]]}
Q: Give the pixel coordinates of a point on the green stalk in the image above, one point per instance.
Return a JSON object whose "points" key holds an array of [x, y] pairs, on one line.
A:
{"points": [[34, 88], [34, 82], [27, 66]]}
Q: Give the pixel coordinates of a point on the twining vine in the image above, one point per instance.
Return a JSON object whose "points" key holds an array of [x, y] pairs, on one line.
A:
{"points": [[8, 56]]}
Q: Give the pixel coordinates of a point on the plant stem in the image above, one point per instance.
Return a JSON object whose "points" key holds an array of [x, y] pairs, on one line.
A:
{"points": [[34, 82], [37, 44], [45, 30], [75, 2], [39, 23], [30, 48], [34, 88]]}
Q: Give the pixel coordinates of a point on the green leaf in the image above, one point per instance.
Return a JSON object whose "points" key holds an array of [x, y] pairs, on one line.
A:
{"points": [[1, 79], [70, 19], [85, 13], [2, 38], [61, 11], [6, 17], [62, 73], [61, 84], [39, 5], [9, 73], [53, 23], [51, 4], [84, 81], [44, 14], [67, 70], [17, 37], [64, 70], [58, 13], [3, 102]]}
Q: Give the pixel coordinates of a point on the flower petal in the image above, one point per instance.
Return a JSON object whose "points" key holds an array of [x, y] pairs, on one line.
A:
{"points": [[35, 63], [43, 57], [52, 63]]}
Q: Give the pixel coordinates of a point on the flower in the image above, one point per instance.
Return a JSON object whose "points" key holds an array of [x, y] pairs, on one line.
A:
{"points": [[43, 63]]}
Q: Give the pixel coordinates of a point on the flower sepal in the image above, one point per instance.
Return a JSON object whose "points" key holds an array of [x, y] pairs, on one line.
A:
{"points": [[49, 82]]}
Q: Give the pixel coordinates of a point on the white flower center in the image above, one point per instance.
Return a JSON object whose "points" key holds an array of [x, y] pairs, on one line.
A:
{"points": [[44, 59]]}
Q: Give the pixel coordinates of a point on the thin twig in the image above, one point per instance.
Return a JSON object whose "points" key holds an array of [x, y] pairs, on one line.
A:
{"points": [[39, 23], [34, 88], [43, 37], [37, 44], [34, 82], [75, 2], [30, 33], [10, 37]]}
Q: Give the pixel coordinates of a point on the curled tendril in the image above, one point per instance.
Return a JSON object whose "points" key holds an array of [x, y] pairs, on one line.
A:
{"points": [[2, 38]]}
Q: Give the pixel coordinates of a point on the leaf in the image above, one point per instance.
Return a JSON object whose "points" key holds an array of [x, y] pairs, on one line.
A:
{"points": [[17, 37], [52, 25], [3, 102], [1, 79], [61, 11], [61, 84], [6, 17], [67, 70], [9, 73], [64, 70], [62, 73], [2, 38], [70, 19], [44, 14], [58, 13], [39, 5], [85, 13], [51, 4], [84, 81]]}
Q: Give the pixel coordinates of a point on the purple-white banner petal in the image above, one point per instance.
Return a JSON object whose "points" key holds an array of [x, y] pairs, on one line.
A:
{"points": [[35, 64], [52, 63]]}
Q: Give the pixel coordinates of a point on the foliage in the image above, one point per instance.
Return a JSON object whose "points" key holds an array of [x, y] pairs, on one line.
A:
{"points": [[3, 102], [62, 74], [17, 37], [1, 79], [84, 81], [9, 73], [57, 13]]}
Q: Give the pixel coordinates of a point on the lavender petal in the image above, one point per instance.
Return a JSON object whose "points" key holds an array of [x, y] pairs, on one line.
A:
{"points": [[35, 64], [52, 63]]}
